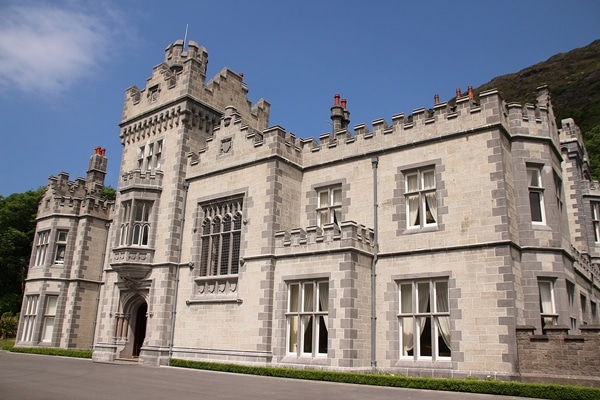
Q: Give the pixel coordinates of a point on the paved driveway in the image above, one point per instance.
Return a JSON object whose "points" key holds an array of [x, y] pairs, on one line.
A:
{"points": [[35, 377]]}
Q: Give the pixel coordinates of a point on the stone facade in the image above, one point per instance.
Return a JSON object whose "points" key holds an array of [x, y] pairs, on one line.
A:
{"points": [[417, 246]]}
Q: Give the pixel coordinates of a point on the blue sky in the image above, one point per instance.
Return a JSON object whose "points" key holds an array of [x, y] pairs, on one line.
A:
{"points": [[65, 64]]}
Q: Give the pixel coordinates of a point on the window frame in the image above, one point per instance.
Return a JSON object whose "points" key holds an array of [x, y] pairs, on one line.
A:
{"points": [[535, 186], [545, 314], [595, 206], [41, 247], [220, 238], [302, 315], [584, 308], [149, 156], [419, 193], [332, 211], [49, 318], [60, 248], [30, 309], [559, 191], [418, 319], [136, 225]]}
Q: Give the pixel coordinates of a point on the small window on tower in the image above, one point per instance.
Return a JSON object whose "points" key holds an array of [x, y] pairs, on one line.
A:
{"points": [[61, 247], [153, 94]]}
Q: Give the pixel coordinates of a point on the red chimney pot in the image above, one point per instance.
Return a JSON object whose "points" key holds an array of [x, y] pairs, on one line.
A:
{"points": [[336, 99]]}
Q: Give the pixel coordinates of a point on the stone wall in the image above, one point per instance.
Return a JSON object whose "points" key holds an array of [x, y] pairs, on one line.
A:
{"points": [[558, 357]]}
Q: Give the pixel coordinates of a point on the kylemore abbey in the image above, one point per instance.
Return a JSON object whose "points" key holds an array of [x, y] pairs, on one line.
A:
{"points": [[458, 240]]}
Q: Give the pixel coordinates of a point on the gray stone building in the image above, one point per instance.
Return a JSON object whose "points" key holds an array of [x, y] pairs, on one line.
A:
{"points": [[425, 246]]}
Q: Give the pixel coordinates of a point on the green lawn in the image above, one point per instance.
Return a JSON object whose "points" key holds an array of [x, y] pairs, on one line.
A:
{"points": [[7, 342]]}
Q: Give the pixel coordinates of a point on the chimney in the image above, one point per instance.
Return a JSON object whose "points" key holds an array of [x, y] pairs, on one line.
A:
{"points": [[96, 170], [436, 99], [471, 94], [337, 113], [458, 93], [346, 120]]}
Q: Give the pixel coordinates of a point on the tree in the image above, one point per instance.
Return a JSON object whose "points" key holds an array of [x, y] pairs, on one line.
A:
{"points": [[17, 227], [592, 144], [108, 193]]}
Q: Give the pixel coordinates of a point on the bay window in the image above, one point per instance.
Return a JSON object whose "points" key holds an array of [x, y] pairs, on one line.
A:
{"points": [[135, 223]]}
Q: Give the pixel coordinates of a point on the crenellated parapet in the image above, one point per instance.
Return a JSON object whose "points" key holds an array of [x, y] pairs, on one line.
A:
{"points": [[234, 141], [76, 198], [141, 180], [347, 235], [464, 115], [590, 188], [585, 267], [182, 76]]}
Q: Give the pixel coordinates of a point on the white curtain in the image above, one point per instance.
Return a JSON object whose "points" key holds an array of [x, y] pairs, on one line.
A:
{"points": [[423, 292], [441, 299], [323, 306], [293, 319], [413, 210], [531, 179], [407, 323], [323, 296], [431, 215], [546, 298], [307, 320]]}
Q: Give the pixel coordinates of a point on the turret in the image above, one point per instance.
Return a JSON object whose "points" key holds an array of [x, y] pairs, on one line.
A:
{"points": [[96, 171]]}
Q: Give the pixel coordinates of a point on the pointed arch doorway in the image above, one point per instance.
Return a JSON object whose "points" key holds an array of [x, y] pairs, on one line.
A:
{"points": [[139, 332]]}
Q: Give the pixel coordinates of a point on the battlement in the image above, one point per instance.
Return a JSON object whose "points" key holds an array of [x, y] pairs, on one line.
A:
{"points": [[81, 196], [182, 76], [467, 113], [585, 267], [176, 55], [348, 235], [67, 197], [464, 114], [144, 180]]}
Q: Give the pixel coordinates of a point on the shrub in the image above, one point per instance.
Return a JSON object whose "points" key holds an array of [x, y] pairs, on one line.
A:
{"points": [[540, 391], [52, 351], [8, 325]]}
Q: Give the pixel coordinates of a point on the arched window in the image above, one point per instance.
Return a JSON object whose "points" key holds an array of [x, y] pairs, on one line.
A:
{"points": [[135, 223], [221, 238]]}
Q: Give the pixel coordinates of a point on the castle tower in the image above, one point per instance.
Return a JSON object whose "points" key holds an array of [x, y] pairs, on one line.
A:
{"points": [[65, 270], [176, 113]]}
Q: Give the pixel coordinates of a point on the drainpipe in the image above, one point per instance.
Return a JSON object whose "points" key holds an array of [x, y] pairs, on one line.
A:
{"points": [[101, 284], [374, 162], [186, 186]]}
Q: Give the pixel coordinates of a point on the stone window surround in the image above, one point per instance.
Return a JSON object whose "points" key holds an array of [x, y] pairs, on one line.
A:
{"points": [[400, 199]]}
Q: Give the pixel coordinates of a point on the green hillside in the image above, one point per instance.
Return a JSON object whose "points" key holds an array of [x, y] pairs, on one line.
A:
{"points": [[573, 79], [574, 82]]}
